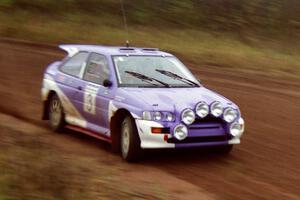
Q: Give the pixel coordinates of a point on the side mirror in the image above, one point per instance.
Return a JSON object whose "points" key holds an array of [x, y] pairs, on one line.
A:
{"points": [[107, 83]]}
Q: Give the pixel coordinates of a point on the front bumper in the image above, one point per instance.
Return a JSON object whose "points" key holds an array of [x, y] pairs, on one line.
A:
{"points": [[157, 141], [150, 140]]}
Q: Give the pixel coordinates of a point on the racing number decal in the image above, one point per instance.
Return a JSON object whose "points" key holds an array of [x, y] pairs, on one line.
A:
{"points": [[89, 103], [90, 94]]}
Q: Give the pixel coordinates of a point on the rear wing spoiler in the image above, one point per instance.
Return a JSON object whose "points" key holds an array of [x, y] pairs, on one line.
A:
{"points": [[70, 49]]}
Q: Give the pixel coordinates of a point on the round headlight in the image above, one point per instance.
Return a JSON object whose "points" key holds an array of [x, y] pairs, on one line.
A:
{"points": [[236, 129], [229, 115], [202, 109], [188, 116], [157, 116], [180, 132], [169, 117], [216, 109]]}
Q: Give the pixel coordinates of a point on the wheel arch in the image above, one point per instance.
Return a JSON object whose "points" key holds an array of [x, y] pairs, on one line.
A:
{"points": [[115, 127]]}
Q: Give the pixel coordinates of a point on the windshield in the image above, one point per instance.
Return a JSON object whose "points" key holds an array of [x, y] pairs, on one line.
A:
{"points": [[153, 71]]}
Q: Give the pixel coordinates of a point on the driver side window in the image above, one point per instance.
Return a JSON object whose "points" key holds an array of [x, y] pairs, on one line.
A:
{"points": [[97, 69], [75, 64]]}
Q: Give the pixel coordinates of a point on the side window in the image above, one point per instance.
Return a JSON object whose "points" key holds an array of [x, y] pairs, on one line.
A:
{"points": [[75, 64], [97, 69]]}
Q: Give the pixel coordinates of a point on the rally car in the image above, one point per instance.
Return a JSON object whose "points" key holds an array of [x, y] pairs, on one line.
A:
{"points": [[136, 99]]}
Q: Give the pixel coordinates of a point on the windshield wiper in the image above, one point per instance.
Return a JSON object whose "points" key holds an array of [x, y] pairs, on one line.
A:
{"points": [[177, 77], [146, 78]]}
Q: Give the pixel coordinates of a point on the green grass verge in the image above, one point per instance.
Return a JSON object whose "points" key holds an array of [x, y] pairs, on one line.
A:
{"points": [[2, 197], [194, 45]]}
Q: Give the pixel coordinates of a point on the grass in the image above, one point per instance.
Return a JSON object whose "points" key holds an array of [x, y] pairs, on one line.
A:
{"points": [[197, 46], [31, 168], [2, 197]]}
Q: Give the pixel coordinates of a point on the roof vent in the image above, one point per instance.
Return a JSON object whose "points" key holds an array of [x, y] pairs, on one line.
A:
{"points": [[127, 49], [150, 49]]}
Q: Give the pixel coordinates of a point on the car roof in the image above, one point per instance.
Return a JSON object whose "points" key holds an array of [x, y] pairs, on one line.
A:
{"points": [[72, 49]]}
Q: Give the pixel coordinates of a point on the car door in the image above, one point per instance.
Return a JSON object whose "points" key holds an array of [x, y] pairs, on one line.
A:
{"points": [[96, 97], [69, 82]]}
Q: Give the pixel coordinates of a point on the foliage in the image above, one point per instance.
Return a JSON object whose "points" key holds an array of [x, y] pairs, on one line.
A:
{"points": [[212, 14], [260, 34]]}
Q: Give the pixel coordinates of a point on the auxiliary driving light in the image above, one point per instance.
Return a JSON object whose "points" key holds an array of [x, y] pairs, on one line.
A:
{"points": [[230, 115], [188, 116], [180, 132], [202, 109], [216, 109]]}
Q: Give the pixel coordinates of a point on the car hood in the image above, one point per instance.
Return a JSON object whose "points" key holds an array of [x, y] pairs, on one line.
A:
{"points": [[172, 99]]}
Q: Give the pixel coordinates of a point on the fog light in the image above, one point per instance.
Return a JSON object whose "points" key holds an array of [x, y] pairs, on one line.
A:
{"points": [[180, 132], [237, 129]]}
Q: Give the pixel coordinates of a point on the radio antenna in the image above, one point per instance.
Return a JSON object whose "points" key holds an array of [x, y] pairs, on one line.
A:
{"points": [[125, 23]]}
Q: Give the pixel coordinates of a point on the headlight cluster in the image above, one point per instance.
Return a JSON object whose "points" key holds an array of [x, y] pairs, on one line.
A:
{"points": [[188, 115], [158, 116], [202, 109]]}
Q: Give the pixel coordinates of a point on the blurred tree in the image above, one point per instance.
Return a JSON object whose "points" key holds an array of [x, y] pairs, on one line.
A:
{"points": [[6, 3], [275, 17]]}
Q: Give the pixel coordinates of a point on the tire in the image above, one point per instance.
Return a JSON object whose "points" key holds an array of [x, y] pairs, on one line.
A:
{"points": [[130, 142], [56, 114]]}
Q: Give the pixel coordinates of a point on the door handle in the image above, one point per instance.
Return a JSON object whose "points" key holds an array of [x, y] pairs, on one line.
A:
{"points": [[79, 88]]}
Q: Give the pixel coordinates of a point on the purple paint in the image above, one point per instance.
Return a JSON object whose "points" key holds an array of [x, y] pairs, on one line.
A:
{"points": [[161, 93]]}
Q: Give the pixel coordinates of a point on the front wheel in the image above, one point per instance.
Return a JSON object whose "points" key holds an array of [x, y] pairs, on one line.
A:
{"points": [[130, 141], [56, 114]]}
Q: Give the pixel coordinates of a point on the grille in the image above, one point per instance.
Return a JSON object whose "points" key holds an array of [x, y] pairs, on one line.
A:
{"points": [[208, 119], [207, 125], [208, 129]]}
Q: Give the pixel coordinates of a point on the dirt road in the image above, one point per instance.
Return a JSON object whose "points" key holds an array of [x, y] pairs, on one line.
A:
{"points": [[265, 166]]}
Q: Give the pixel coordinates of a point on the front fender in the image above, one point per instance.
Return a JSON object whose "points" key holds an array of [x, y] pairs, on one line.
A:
{"points": [[114, 106]]}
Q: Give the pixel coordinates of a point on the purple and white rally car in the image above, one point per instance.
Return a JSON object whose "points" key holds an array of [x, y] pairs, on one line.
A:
{"points": [[136, 98]]}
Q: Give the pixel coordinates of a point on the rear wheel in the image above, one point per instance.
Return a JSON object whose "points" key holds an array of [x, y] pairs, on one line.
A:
{"points": [[130, 141], [56, 114]]}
